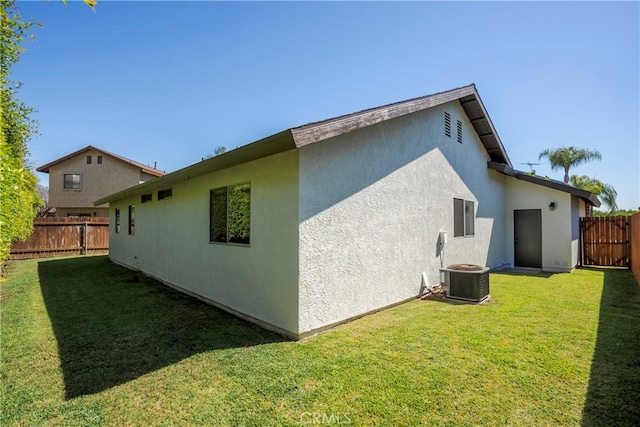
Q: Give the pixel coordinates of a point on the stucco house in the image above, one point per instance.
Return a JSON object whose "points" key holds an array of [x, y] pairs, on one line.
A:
{"points": [[325, 222], [79, 178]]}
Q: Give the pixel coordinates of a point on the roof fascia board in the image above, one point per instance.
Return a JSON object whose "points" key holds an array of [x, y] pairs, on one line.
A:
{"points": [[274, 144], [319, 131], [585, 195], [45, 168], [493, 129]]}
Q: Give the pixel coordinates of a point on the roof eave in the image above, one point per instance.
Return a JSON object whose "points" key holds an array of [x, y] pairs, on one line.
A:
{"points": [[319, 131], [467, 96], [474, 109], [274, 144], [146, 169], [585, 195], [45, 168]]}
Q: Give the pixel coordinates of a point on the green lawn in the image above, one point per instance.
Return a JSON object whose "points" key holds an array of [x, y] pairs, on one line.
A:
{"points": [[85, 342]]}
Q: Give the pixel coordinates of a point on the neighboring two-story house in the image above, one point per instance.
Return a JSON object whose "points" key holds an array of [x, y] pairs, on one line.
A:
{"points": [[86, 175]]}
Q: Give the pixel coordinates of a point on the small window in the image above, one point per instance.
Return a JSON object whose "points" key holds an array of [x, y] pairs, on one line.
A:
{"points": [[469, 215], [117, 218], [146, 198], [99, 160], [230, 214], [132, 219], [88, 160], [72, 181], [447, 124], [459, 131], [463, 218], [165, 194]]}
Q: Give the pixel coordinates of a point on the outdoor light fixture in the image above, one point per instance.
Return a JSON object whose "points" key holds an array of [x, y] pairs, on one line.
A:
{"points": [[552, 206]]}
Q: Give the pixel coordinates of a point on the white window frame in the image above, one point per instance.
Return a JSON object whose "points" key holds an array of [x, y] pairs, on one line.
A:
{"points": [[467, 215]]}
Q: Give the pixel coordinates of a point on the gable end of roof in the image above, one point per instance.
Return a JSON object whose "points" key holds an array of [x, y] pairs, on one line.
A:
{"points": [[144, 168], [467, 96]]}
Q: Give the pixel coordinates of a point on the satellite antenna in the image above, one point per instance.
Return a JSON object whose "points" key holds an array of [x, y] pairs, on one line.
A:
{"points": [[531, 165]]}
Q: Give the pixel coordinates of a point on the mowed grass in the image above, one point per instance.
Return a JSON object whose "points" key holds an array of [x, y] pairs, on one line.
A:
{"points": [[85, 342]]}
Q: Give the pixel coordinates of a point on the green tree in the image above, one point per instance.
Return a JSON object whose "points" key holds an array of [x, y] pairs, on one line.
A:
{"points": [[567, 157], [622, 212], [606, 192], [19, 197]]}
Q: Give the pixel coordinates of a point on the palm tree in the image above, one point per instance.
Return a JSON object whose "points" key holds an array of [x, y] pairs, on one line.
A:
{"points": [[567, 157], [606, 192]]}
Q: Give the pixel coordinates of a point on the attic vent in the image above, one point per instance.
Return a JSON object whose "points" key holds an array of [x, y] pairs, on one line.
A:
{"points": [[459, 131], [146, 198], [447, 124]]}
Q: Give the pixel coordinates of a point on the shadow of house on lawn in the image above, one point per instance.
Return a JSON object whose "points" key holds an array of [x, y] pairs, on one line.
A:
{"points": [[613, 397], [113, 325]]}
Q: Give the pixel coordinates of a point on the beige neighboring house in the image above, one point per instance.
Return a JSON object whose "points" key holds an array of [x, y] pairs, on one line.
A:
{"points": [[78, 179]]}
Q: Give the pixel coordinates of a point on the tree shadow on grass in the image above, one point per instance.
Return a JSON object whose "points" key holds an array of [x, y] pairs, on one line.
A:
{"points": [[613, 397], [113, 325]]}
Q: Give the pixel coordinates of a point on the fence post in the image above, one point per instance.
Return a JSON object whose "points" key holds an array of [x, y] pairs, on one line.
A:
{"points": [[86, 229], [581, 241], [628, 227]]}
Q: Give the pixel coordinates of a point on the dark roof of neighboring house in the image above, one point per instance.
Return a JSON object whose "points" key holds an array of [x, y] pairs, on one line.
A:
{"points": [[144, 168], [585, 195], [318, 131]]}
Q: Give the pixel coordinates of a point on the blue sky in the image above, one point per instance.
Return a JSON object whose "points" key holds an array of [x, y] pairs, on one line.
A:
{"points": [[168, 82]]}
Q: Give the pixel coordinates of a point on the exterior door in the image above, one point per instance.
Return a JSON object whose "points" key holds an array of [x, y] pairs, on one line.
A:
{"points": [[527, 234]]}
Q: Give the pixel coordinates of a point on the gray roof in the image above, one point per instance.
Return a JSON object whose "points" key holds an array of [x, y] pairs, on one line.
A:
{"points": [[467, 96], [319, 131], [585, 195]]}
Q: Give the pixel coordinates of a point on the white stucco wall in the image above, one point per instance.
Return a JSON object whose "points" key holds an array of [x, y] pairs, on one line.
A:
{"points": [[578, 209], [372, 204], [560, 233], [171, 242]]}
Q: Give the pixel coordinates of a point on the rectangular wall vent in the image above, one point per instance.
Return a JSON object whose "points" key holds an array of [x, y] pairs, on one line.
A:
{"points": [[459, 131], [447, 124]]}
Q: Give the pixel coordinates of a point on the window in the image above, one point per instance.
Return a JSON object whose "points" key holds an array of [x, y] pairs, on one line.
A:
{"points": [[71, 181], [99, 160], [117, 224], [132, 219], [230, 214], [165, 194], [469, 218], [447, 124], [88, 160], [463, 218], [459, 131], [146, 198]]}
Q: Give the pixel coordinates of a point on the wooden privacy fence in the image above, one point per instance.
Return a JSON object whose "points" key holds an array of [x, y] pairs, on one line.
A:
{"points": [[64, 236], [634, 237], [604, 241]]}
